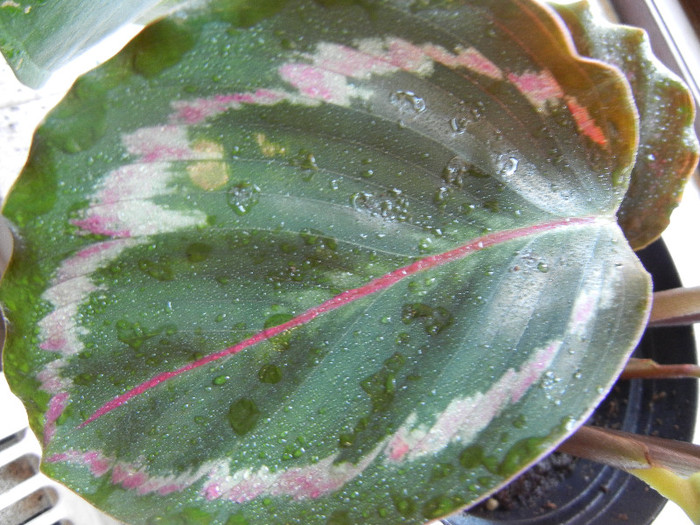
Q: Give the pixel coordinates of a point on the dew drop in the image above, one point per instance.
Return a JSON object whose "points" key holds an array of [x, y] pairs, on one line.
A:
{"points": [[441, 505], [243, 415], [346, 440], [459, 124], [158, 269], [198, 252], [457, 168], [441, 195], [407, 101], [84, 379], [220, 380], [306, 161], [510, 166], [543, 267], [270, 374], [277, 319], [242, 197], [424, 245], [390, 205]]}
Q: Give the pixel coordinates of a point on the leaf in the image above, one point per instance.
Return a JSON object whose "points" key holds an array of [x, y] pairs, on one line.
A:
{"points": [[668, 148], [328, 263], [38, 37]]}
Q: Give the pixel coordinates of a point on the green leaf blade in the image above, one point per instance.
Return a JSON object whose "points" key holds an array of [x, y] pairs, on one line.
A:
{"points": [[301, 278]]}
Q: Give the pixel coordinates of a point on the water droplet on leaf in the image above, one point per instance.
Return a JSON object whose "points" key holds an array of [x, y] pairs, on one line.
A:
{"points": [[242, 197], [220, 380], [158, 269], [198, 252], [243, 415], [459, 124], [407, 101], [270, 374], [510, 167]]}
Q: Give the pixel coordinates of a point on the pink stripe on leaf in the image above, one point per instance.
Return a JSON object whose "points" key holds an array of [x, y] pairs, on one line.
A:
{"points": [[342, 299]]}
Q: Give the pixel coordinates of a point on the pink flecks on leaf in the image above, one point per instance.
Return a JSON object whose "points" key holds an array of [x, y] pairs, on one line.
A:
{"points": [[101, 225], [58, 331], [51, 379], [98, 464], [53, 342], [374, 56], [128, 478], [464, 418], [585, 122], [470, 59], [197, 111], [166, 143], [131, 476], [57, 405], [351, 62], [137, 478], [86, 261], [68, 291], [307, 482], [408, 57], [158, 143], [584, 311], [593, 299], [539, 88], [121, 205], [318, 84]]}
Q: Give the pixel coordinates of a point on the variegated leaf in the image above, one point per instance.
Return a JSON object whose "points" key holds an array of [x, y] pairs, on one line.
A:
{"points": [[668, 148], [327, 263]]}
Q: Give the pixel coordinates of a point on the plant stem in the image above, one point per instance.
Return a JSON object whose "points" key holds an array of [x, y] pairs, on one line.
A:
{"points": [[632, 451], [650, 369], [678, 306], [670, 467]]}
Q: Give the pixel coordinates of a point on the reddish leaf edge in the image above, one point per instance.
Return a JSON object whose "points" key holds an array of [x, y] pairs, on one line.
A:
{"points": [[345, 298]]}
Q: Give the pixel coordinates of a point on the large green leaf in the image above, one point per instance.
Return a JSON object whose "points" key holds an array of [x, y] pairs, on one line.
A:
{"points": [[37, 37], [668, 149], [352, 263]]}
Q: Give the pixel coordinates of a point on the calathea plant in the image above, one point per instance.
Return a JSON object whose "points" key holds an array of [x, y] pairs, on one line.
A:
{"points": [[330, 261]]}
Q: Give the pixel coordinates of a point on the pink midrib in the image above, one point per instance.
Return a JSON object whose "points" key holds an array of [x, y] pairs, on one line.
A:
{"points": [[342, 299]]}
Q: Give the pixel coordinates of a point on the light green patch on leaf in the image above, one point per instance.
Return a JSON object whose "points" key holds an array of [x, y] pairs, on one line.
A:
{"points": [[38, 37]]}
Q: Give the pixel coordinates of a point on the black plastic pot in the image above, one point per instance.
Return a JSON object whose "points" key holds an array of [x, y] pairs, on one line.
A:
{"points": [[564, 490]]}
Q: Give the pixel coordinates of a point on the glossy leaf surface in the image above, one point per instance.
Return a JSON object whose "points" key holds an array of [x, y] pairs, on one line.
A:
{"points": [[37, 37], [668, 148], [322, 263]]}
